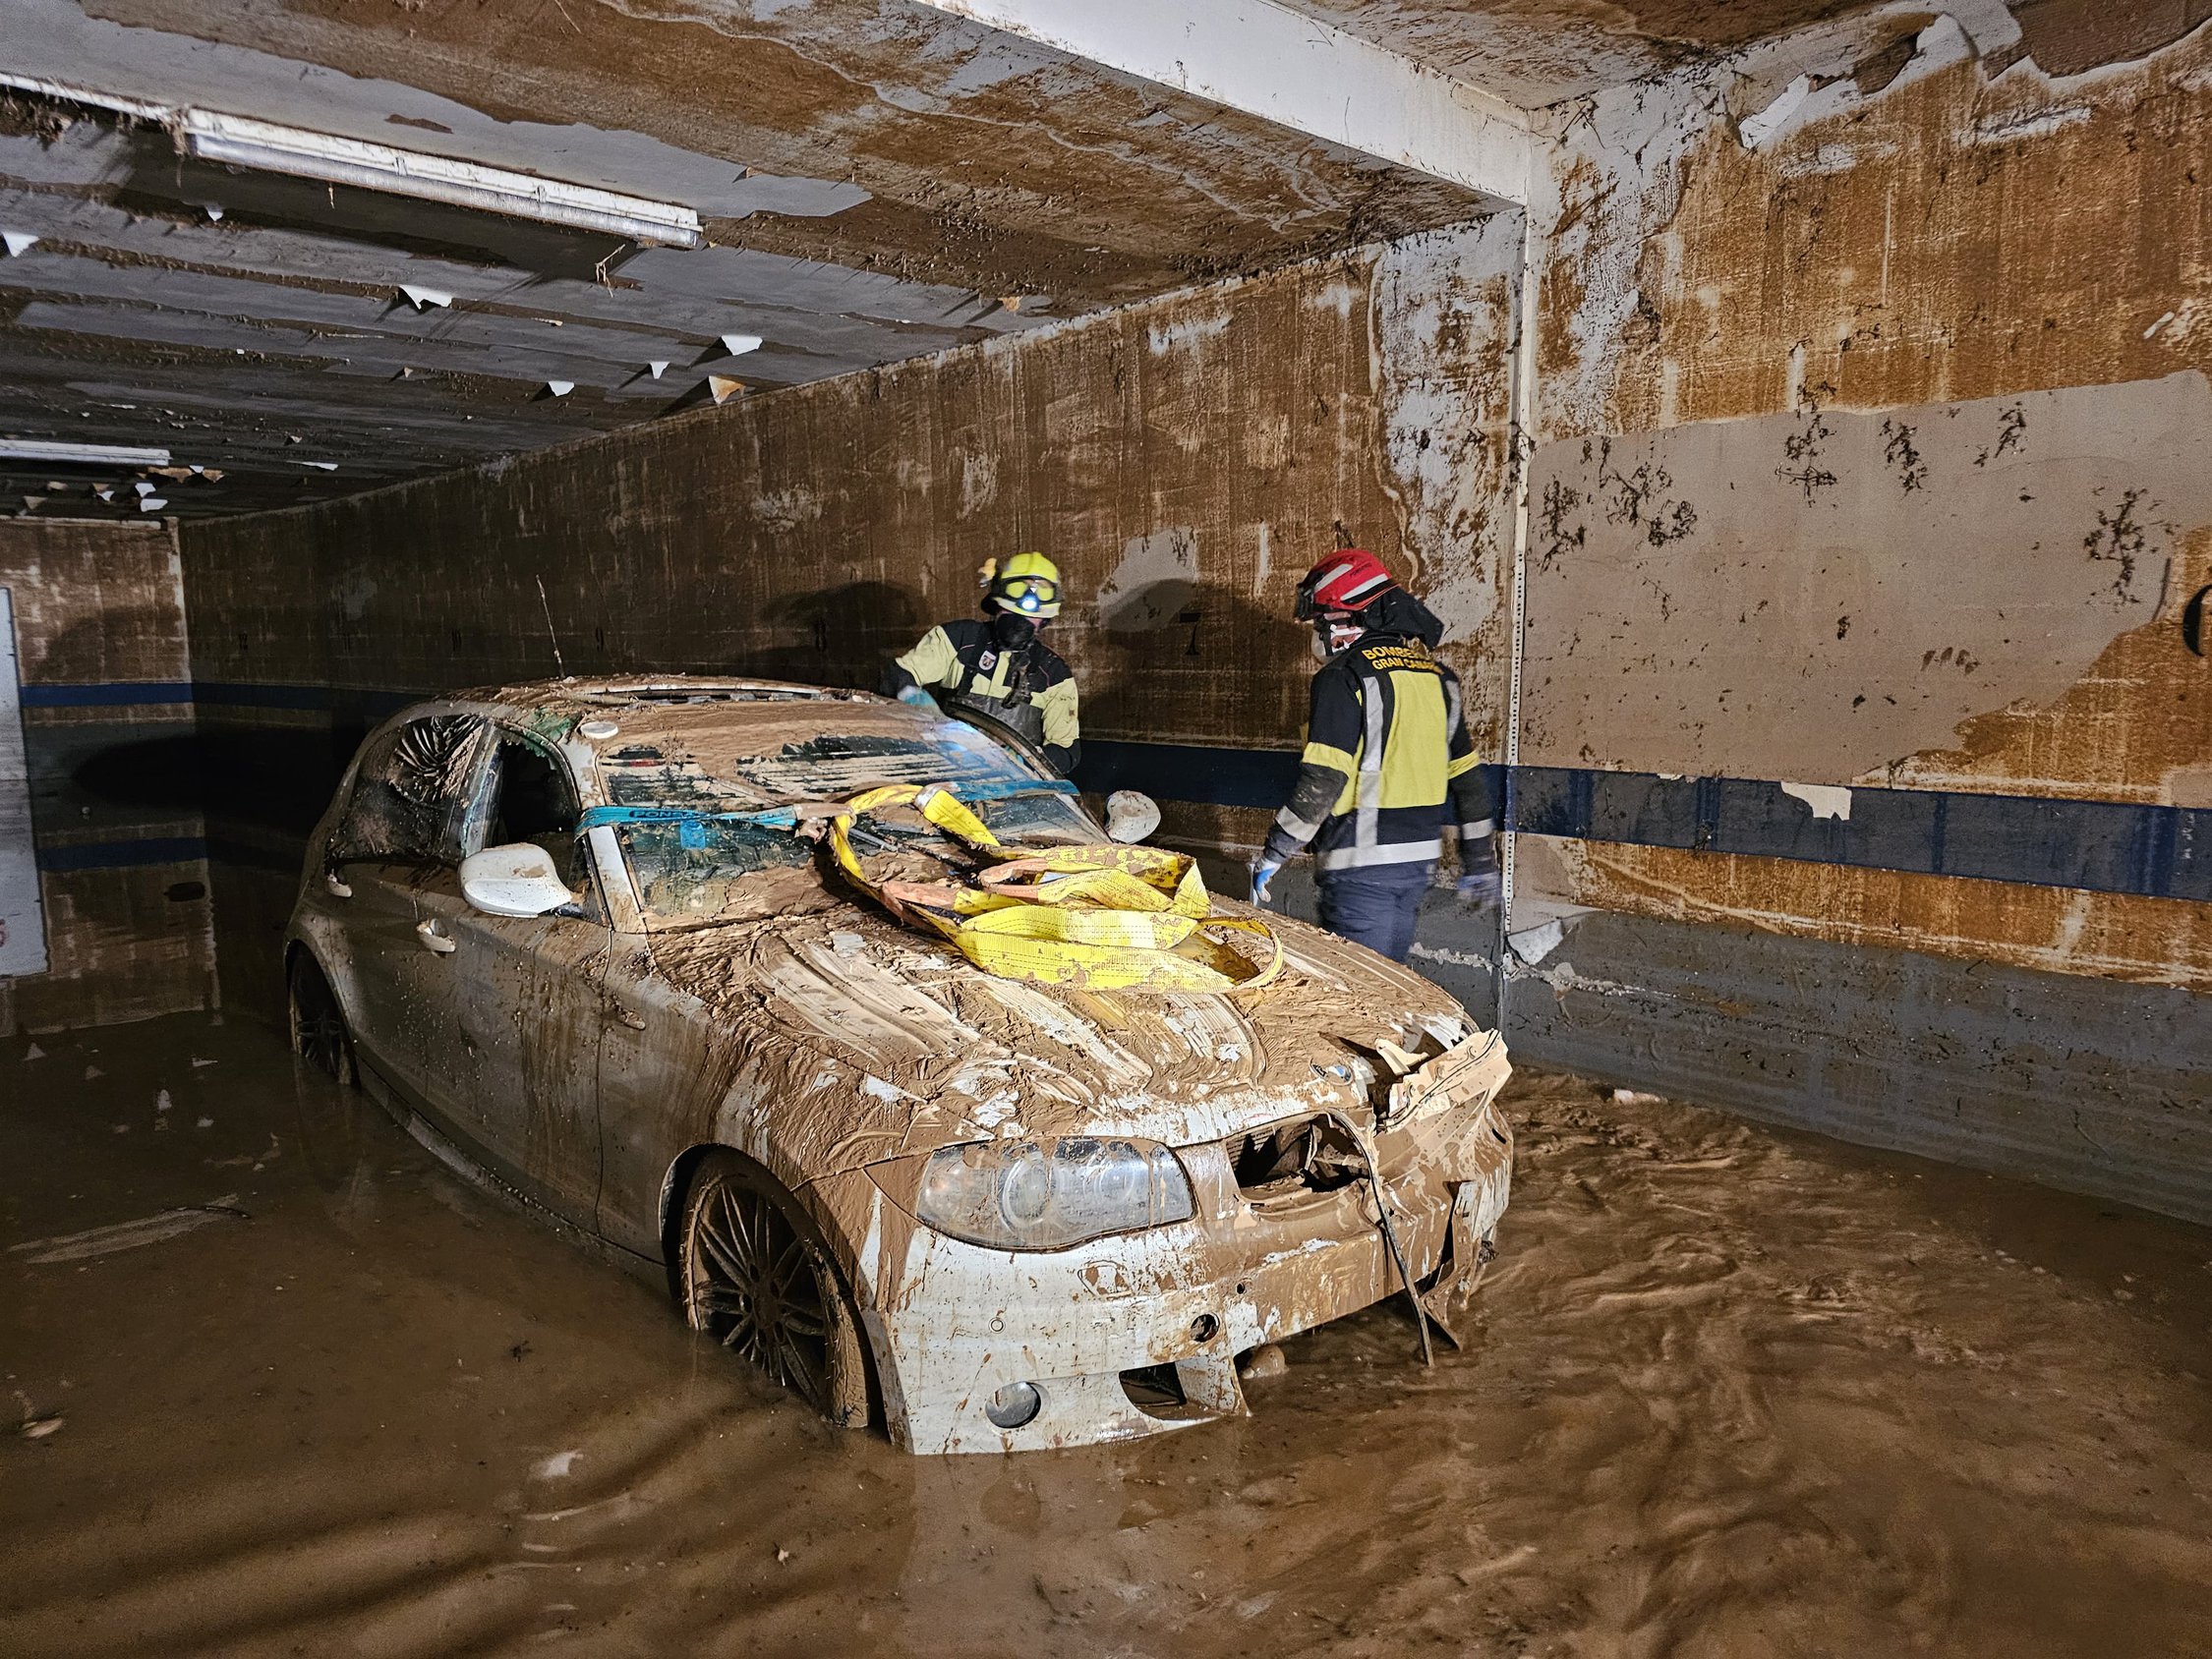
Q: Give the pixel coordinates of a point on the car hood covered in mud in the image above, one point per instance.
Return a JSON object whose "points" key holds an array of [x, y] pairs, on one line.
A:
{"points": [[875, 1041]]}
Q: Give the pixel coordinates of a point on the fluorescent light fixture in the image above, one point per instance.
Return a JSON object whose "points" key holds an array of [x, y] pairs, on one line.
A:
{"points": [[94, 454], [241, 141]]}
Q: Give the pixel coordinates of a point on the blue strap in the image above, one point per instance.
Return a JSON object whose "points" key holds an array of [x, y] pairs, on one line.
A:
{"points": [[786, 818]]}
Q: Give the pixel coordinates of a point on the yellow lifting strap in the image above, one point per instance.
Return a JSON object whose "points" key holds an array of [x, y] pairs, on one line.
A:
{"points": [[1104, 918]]}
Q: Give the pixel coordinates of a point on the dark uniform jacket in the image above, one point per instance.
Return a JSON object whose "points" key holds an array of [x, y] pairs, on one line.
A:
{"points": [[1027, 688], [1387, 760]]}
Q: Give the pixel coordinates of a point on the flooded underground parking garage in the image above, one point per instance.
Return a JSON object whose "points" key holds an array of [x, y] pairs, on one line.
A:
{"points": [[986, 829]]}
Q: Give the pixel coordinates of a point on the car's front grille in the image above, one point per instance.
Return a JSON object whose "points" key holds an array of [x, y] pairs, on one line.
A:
{"points": [[1290, 1160]]}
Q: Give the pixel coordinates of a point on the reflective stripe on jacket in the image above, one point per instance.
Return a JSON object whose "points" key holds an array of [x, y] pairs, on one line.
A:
{"points": [[1387, 757], [1029, 689]]}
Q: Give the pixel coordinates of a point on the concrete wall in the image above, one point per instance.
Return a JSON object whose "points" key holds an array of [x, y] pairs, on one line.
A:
{"points": [[1185, 460], [1869, 497], [107, 722]]}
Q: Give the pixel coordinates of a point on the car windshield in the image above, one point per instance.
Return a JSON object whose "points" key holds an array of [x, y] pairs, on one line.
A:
{"points": [[700, 867]]}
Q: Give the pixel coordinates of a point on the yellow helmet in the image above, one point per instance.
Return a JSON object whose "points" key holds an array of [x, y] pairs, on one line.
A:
{"points": [[1026, 585]]}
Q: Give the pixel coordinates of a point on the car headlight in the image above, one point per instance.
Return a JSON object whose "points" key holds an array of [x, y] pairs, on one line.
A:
{"points": [[1046, 1195]]}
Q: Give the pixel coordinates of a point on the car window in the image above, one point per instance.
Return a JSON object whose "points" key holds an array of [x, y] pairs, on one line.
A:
{"points": [[412, 790], [533, 800]]}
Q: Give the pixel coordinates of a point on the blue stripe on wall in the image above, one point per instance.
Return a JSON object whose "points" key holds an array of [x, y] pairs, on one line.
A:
{"points": [[115, 694], [2102, 846], [123, 856], [243, 693]]}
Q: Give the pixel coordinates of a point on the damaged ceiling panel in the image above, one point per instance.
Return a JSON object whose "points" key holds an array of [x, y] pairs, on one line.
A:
{"points": [[1537, 53], [873, 182]]}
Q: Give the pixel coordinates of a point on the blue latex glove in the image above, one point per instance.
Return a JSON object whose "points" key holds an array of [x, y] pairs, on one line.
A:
{"points": [[914, 697], [1478, 889], [1263, 870]]}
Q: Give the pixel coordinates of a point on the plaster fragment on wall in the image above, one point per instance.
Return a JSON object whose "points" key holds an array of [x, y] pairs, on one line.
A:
{"points": [[1167, 336], [1787, 619], [2009, 128], [979, 482], [1153, 582], [1442, 317], [1533, 945], [1826, 800]]}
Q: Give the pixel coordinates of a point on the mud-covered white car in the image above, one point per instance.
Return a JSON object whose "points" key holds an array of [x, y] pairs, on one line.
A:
{"points": [[986, 1212]]}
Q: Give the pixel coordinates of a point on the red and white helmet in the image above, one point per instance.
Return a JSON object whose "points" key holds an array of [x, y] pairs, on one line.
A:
{"points": [[1343, 583]]}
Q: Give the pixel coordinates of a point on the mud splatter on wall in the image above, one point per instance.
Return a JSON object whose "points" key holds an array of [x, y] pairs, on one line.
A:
{"points": [[1867, 307], [1183, 460]]}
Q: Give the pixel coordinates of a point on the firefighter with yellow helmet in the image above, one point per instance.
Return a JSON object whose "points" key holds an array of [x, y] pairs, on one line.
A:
{"points": [[996, 666]]}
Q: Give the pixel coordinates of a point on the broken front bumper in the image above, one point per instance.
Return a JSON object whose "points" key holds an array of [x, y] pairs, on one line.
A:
{"points": [[952, 1324]]}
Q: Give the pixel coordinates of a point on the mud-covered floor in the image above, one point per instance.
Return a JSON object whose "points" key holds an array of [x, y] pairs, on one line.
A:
{"points": [[1731, 1391]]}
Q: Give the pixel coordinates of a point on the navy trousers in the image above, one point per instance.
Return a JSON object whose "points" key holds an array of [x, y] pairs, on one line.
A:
{"points": [[1376, 906]]}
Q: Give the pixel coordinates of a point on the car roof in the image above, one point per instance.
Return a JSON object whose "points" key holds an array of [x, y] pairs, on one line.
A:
{"points": [[730, 727]]}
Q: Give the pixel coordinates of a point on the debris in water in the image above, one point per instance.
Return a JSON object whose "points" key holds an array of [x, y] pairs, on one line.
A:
{"points": [[205, 1123], [1265, 1360], [127, 1235], [557, 1467], [198, 1062], [1637, 1097], [162, 1102], [38, 1428], [35, 1052], [781, 1554], [92, 1071]]}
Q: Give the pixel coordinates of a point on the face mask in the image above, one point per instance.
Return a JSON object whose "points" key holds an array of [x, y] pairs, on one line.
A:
{"points": [[1010, 631], [1331, 637]]}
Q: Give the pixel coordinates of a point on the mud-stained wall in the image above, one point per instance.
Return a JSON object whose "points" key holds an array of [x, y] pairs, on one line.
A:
{"points": [[1185, 460], [1872, 454], [107, 726]]}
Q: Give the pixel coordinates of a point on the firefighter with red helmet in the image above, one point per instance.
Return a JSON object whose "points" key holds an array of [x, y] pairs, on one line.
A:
{"points": [[1387, 764], [997, 667]]}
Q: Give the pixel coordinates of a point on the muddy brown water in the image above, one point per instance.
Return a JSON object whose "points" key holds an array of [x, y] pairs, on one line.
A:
{"points": [[1729, 1391]]}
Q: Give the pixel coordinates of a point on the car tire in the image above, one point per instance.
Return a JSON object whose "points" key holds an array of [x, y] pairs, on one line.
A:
{"points": [[318, 1024], [753, 1274]]}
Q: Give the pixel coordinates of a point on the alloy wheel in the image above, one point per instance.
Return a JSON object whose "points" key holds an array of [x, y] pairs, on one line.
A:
{"points": [[758, 1288]]}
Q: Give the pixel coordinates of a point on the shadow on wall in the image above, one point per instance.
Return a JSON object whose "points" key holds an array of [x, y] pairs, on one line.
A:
{"points": [[267, 779], [841, 636], [1184, 660]]}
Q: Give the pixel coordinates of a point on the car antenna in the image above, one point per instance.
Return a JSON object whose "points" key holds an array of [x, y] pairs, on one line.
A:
{"points": [[553, 639]]}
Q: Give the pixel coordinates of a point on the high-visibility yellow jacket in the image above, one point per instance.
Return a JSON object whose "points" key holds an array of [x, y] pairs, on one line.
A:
{"points": [[1027, 688], [1387, 764]]}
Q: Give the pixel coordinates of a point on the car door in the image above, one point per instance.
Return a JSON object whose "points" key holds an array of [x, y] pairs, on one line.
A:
{"points": [[399, 834], [520, 1052]]}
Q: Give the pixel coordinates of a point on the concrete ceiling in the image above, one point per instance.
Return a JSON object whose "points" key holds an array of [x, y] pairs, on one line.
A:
{"points": [[876, 182]]}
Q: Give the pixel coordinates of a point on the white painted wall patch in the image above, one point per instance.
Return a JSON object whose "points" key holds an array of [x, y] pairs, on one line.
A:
{"points": [[1827, 800]]}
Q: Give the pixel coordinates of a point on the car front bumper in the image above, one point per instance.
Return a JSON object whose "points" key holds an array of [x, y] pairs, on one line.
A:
{"points": [[951, 1323]]}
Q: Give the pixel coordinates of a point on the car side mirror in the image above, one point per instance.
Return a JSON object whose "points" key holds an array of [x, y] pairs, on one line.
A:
{"points": [[1131, 816], [520, 880]]}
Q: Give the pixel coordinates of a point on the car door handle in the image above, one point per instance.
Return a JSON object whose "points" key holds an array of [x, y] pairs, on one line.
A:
{"points": [[427, 931]]}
